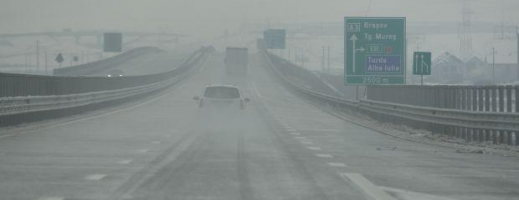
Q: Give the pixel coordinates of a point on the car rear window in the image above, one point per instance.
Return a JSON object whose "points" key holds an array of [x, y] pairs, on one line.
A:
{"points": [[222, 93]]}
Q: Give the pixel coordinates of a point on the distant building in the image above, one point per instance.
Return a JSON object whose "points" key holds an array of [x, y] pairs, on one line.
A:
{"points": [[447, 68]]}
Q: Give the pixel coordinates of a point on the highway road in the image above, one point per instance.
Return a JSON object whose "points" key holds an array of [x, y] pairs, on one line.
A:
{"points": [[279, 147]]}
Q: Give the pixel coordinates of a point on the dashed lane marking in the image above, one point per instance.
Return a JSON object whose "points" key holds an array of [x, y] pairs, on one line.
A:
{"points": [[95, 177], [156, 142], [142, 151], [337, 164], [314, 148], [295, 133], [301, 138], [125, 162], [366, 186], [306, 142], [324, 155]]}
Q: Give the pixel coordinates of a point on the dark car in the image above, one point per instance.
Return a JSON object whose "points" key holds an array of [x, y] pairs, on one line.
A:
{"points": [[115, 73]]}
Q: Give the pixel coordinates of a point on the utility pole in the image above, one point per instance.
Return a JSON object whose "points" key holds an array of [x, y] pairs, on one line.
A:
{"points": [[37, 56], [328, 59], [493, 66], [517, 33], [46, 64], [322, 62], [465, 33]]}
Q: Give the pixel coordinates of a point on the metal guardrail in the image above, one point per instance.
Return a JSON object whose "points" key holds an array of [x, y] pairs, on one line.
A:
{"points": [[495, 127], [15, 110], [474, 98]]}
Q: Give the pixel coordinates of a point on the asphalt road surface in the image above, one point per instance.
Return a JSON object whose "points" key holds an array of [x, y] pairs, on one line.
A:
{"points": [[279, 147]]}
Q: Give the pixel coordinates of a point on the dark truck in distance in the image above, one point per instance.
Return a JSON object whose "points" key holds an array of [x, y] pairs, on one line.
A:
{"points": [[236, 60]]}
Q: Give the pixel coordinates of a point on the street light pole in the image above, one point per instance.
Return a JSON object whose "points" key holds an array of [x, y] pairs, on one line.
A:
{"points": [[37, 56], [493, 66]]}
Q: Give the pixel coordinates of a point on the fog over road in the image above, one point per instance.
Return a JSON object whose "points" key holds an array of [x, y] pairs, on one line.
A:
{"points": [[279, 147]]}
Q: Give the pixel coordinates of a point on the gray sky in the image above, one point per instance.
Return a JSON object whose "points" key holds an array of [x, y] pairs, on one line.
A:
{"points": [[212, 17]]}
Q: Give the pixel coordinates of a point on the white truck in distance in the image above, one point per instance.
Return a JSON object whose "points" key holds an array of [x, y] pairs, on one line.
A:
{"points": [[236, 61]]}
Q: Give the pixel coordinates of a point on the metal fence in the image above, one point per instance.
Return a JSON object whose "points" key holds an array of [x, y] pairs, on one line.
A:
{"points": [[471, 98]]}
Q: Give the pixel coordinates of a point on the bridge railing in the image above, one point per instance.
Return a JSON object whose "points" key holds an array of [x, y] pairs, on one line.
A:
{"points": [[93, 67], [472, 125], [62, 96]]}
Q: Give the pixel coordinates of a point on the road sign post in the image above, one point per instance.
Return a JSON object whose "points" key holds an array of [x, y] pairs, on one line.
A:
{"points": [[422, 64], [374, 50]]}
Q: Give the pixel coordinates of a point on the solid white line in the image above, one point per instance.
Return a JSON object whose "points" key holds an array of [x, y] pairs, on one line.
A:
{"points": [[95, 177], [337, 164], [405, 194], [51, 198], [5, 136], [367, 187], [324, 155], [314, 148], [322, 130]]}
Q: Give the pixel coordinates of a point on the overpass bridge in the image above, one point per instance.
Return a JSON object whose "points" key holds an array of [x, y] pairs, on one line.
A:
{"points": [[97, 34], [143, 137]]}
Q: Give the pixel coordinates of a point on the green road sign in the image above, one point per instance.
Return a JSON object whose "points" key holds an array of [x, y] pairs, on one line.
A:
{"points": [[113, 42], [422, 63], [374, 50], [275, 38]]}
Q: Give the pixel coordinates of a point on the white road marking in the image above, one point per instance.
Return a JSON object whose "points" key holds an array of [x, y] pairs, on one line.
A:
{"points": [[5, 136], [295, 133], [301, 138], [306, 142], [95, 177], [409, 195], [337, 164], [125, 162], [322, 130], [314, 148], [143, 151], [51, 198], [156, 142], [367, 187], [291, 130], [324, 155]]}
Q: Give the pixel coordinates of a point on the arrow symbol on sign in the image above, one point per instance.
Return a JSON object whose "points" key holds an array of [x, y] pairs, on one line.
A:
{"points": [[426, 66], [354, 39], [416, 64]]}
